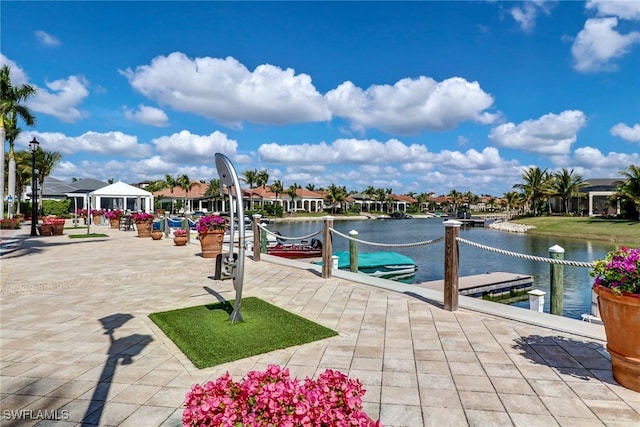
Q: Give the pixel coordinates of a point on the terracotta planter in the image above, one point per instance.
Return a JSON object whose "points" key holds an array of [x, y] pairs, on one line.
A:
{"points": [[157, 234], [211, 243], [144, 229], [46, 230], [180, 240], [114, 222], [97, 219], [621, 318], [58, 229]]}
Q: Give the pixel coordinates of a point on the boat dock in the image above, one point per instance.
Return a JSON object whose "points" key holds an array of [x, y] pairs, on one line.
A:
{"points": [[496, 285]]}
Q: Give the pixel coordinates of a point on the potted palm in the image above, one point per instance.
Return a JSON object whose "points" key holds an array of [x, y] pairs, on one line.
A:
{"points": [[617, 284], [143, 222], [211, 230]]}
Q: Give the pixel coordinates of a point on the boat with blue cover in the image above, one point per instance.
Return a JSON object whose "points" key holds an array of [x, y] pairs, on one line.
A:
{"points": [[386, 265]]}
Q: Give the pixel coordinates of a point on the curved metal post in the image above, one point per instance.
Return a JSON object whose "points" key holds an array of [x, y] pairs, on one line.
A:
{"points": [[229, 177]]}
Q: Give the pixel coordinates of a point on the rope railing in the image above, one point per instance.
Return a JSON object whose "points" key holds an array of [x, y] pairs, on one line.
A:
{"points": [[279, 236], [389, 245], [528, 257]]}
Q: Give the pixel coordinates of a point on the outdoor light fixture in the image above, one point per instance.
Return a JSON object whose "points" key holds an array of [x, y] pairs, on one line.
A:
{"points": [[33, 147]]}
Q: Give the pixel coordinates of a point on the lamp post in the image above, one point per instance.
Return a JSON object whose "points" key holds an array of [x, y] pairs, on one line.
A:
{"points": [[33, 147]]}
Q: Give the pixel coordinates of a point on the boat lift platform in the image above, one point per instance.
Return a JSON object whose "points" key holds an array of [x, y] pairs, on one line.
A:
{"points": [[496, 284]]}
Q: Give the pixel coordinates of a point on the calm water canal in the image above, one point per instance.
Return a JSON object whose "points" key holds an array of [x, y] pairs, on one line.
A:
{"points": [[429, 259]]}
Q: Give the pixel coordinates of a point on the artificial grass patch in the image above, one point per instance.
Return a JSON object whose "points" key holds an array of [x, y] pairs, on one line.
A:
{"points": [[85, 236], [206, 336]]}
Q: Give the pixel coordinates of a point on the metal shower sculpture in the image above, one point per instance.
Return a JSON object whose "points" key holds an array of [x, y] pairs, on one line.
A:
{"points": [[231, 264]]}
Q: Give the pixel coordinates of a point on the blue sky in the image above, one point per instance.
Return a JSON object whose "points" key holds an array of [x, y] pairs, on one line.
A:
{"points": [[417, 97]]}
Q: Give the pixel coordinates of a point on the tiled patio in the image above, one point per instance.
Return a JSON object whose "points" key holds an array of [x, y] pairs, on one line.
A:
{"points": [[77, 346]]}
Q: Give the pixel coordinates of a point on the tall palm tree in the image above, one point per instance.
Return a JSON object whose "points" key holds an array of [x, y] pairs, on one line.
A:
{"points": [[292, 191], [566, 185], [170, 183], [629, 189], [214, 189], [455, 197], [368, 194], [336, 196], [262, 177], [12, 108], [46, 161], [23, 174], [185, 183], [250, 177], [512, 200], [379, 197], [277, 187], [310, 187], [536, 187]]}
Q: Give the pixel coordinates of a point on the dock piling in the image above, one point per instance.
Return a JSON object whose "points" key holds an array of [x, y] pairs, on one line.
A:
{"points": [[557, 283], [451, 259], [353, 252]]}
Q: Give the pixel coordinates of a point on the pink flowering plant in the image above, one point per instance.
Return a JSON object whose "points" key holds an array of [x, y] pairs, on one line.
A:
{"points": [[114, 214], [272, 398], [619, 271], [210, 223], [142, 217], [95, 212], [179, 233]]}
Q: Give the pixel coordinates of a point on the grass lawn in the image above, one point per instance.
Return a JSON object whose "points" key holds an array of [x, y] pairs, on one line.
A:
{"points": [[207, 337], [625, 232]]}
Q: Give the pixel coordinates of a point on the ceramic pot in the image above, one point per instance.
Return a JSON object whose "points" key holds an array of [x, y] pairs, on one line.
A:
{"points": [[180, 240], [114, 222], [621, 318], [157, 234], [211, 243], [144, 229]]}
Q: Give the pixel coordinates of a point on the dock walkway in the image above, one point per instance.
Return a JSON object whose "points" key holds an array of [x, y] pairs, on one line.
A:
{"points": [[496, 283], [484, 365]]}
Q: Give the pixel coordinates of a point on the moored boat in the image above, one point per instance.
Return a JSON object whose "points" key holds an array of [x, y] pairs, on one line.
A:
{"points": [[386, 265], [296, 250]]}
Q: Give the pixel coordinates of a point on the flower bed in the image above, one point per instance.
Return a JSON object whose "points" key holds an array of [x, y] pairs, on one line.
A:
{"points": [[272, 398]]}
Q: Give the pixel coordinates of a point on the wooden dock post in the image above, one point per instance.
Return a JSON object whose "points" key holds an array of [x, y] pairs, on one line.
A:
{"points": [[451, 255], [327, 248], [353, 252], [556, 277], [257, 233]]}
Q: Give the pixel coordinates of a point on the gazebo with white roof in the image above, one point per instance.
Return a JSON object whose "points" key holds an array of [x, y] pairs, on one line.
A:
{"points": [[122, 196]]}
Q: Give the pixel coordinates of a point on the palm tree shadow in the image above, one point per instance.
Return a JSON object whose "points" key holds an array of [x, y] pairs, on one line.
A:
{"points": [[121, 351], [585, 360]]}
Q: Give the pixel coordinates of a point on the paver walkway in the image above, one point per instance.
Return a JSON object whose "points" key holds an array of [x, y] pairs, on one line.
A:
{"points": [[77, 346]]}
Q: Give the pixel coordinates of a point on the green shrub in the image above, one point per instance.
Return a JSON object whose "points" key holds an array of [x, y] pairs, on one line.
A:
{"points": [[59, 208]]}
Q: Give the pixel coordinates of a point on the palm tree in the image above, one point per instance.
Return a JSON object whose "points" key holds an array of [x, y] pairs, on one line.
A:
{"points": [[12, 108], [566, 185], [512, 200], [336, 196], [293, 193], [629, 189], [185, 183], [214, 189], [277, 187], [368, 194], [455, 197], [170, 183], [310, 187], [46, 161], [23, 173], [250, 177], [262, 177], [379, 198], [536, 187]]}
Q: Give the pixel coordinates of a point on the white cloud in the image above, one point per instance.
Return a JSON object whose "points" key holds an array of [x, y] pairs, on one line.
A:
{"points": [[197, 149], [551, 134], [624, 9], [61, 99], [147, 115], [17, 74], [593, 158], [631, 134], [226, 91], [526, 12], [109, 143], [598, 44], [412, 105], [47, 39]]}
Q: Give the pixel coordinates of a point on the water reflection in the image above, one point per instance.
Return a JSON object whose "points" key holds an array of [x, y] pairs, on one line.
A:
{"points": [[430, 258]]}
